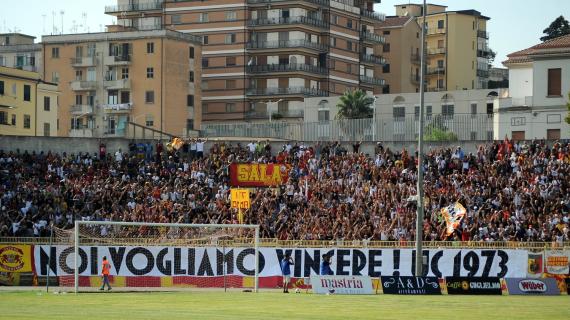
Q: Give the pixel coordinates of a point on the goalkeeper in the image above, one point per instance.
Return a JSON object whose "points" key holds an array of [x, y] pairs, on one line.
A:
{"points": [[286, 264]]}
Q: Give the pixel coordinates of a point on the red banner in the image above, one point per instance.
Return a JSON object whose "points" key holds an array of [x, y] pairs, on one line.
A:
{"points": [[258, 175]]}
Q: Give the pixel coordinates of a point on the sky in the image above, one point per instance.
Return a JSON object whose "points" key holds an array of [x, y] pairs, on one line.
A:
{"points": [[514, 24]]}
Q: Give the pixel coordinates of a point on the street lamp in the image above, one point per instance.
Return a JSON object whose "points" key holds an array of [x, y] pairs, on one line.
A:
{"points": [[269, 103]]}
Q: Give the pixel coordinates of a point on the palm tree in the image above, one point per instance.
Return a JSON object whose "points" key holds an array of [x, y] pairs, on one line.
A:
{"points": [[355, 113], [354, 105]]}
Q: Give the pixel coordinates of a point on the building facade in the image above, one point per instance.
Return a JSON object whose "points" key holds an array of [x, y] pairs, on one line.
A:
{"points": [[457, 47], [19, 51], [115, 82], [28, 105], [539, 85], [402, 53], [262, 58]]}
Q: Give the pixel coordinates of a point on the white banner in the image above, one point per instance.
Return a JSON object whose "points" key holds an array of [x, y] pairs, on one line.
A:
{"points": [[174, 261], [342, 284], [557, 261]]}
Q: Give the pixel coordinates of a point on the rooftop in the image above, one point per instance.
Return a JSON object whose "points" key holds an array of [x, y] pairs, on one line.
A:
{"points": [[553, 46], [120, 36], [394, 21]]}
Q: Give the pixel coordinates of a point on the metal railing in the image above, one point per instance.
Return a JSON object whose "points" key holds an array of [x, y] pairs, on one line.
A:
{"points": [[373, 15], [291, 67], [457, 127], [431, 31], [483, 53], [482, 34], [319, 2], [415, 58], [277, 44], [273, 242], [372, 80], [81, 109], [290, 20], [308, 92], [483, 73], [155, 5], [365, 35], [264, 114], [372, 59], [433, 51], [437, 70]]}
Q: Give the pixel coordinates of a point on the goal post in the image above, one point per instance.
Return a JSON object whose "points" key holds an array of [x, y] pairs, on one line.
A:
{"points": [[164, 256]]}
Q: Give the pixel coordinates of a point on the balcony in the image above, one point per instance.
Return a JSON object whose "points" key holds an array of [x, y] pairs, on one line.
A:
{"points": [[317, 2], [437, 70], [415, 78], [483, 73], [288, 21], [483, 34], [292, 67], [79, 85], [82, 133], [81, 109], [372, 80], [280, 44], [278, 114], [117, 84], [435, 51], [435, 89], [483, 53], [117, 108], [118, 60], [373, 15], [432, 31], [134, 7], [83, 61], [372, 37], [415, 58], [27, 67], [307, 92], [370, 58]]}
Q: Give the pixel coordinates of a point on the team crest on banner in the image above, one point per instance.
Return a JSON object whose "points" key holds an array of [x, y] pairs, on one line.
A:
{"points": [[452, 216], [535, 265], [557, 261]]}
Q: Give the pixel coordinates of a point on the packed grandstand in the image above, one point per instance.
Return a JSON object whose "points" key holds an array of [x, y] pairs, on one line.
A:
{"points": [[511, 191]]}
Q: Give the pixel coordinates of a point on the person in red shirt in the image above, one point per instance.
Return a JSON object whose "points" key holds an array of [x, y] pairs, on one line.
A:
{"points": [[105, 274]]}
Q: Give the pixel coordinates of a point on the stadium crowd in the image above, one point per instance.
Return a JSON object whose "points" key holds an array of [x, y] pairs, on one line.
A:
{"points": [[512, 191]]}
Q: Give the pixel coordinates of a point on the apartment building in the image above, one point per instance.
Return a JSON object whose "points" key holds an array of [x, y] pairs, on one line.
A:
{"points": [[115, 82], [19, 51], [28, 105], [457, 46], [261, 58], [402, 53]]}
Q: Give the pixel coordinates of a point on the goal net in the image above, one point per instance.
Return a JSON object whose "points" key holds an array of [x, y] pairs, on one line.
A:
{"points": [[160, 256]]}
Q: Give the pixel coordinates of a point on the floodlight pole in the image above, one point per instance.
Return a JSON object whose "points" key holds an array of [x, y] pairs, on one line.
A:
{"points": [[420, 187]]}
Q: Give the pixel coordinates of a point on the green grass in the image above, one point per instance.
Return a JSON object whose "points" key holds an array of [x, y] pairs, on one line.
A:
{"points": [[273, 305]]}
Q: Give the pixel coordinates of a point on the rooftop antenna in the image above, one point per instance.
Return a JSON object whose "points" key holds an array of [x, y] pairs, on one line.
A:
{"points": [[62, 13], [84, 21], [43, 24], [53, 28]]}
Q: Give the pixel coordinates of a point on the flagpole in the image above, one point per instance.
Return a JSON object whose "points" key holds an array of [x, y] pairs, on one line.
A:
{"points": [[420, 187]]}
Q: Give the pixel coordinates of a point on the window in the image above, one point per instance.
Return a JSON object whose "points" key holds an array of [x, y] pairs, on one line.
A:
{"points": [[191, 52], [333, 42], [78, 99], [554, 83], [386, 89], [386, 47], [399, 113], [386, 68], [55, 53], [204, 108], [149, 73], [230, 107], [1, 88], [490, 108], [231, 16], [428, 112], [203, 17], [440, 44], [175, 19], [448, 110], [386, 32], [324, 115], [348, 68], [230, 61], [46, 104], [46, 129], [349, 23], [205, 62], [334, 19], [191, 76], [440, 24], [149, 97], [349, 45], [78, 75], [190, 100], [27, 121], [440, 63], [230, 38], [204, 39], [150, 47], [13, 119], [55, 77], [417, 113], [125, 96], [189, 124], [473, 110], [440, 83], [27, 92], [124, 73], [149, 121], [113, 96], [3, 117], [230, 84]]}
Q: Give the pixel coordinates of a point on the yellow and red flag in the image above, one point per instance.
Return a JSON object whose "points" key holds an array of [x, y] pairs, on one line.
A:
{"points": [[452, 216]]}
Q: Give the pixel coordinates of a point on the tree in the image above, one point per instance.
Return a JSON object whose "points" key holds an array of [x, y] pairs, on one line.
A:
{"points": [[557, 28], [568, 106], [436, 131], [354, 105]]}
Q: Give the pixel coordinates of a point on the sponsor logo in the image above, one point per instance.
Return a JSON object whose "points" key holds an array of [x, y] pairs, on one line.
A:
{"points": [[342, 283], [411, 285], [532, 286], [11, 258]]}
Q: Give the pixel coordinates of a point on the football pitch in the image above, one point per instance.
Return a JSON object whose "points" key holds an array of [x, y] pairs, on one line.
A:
{"points": [[274, 305]]}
